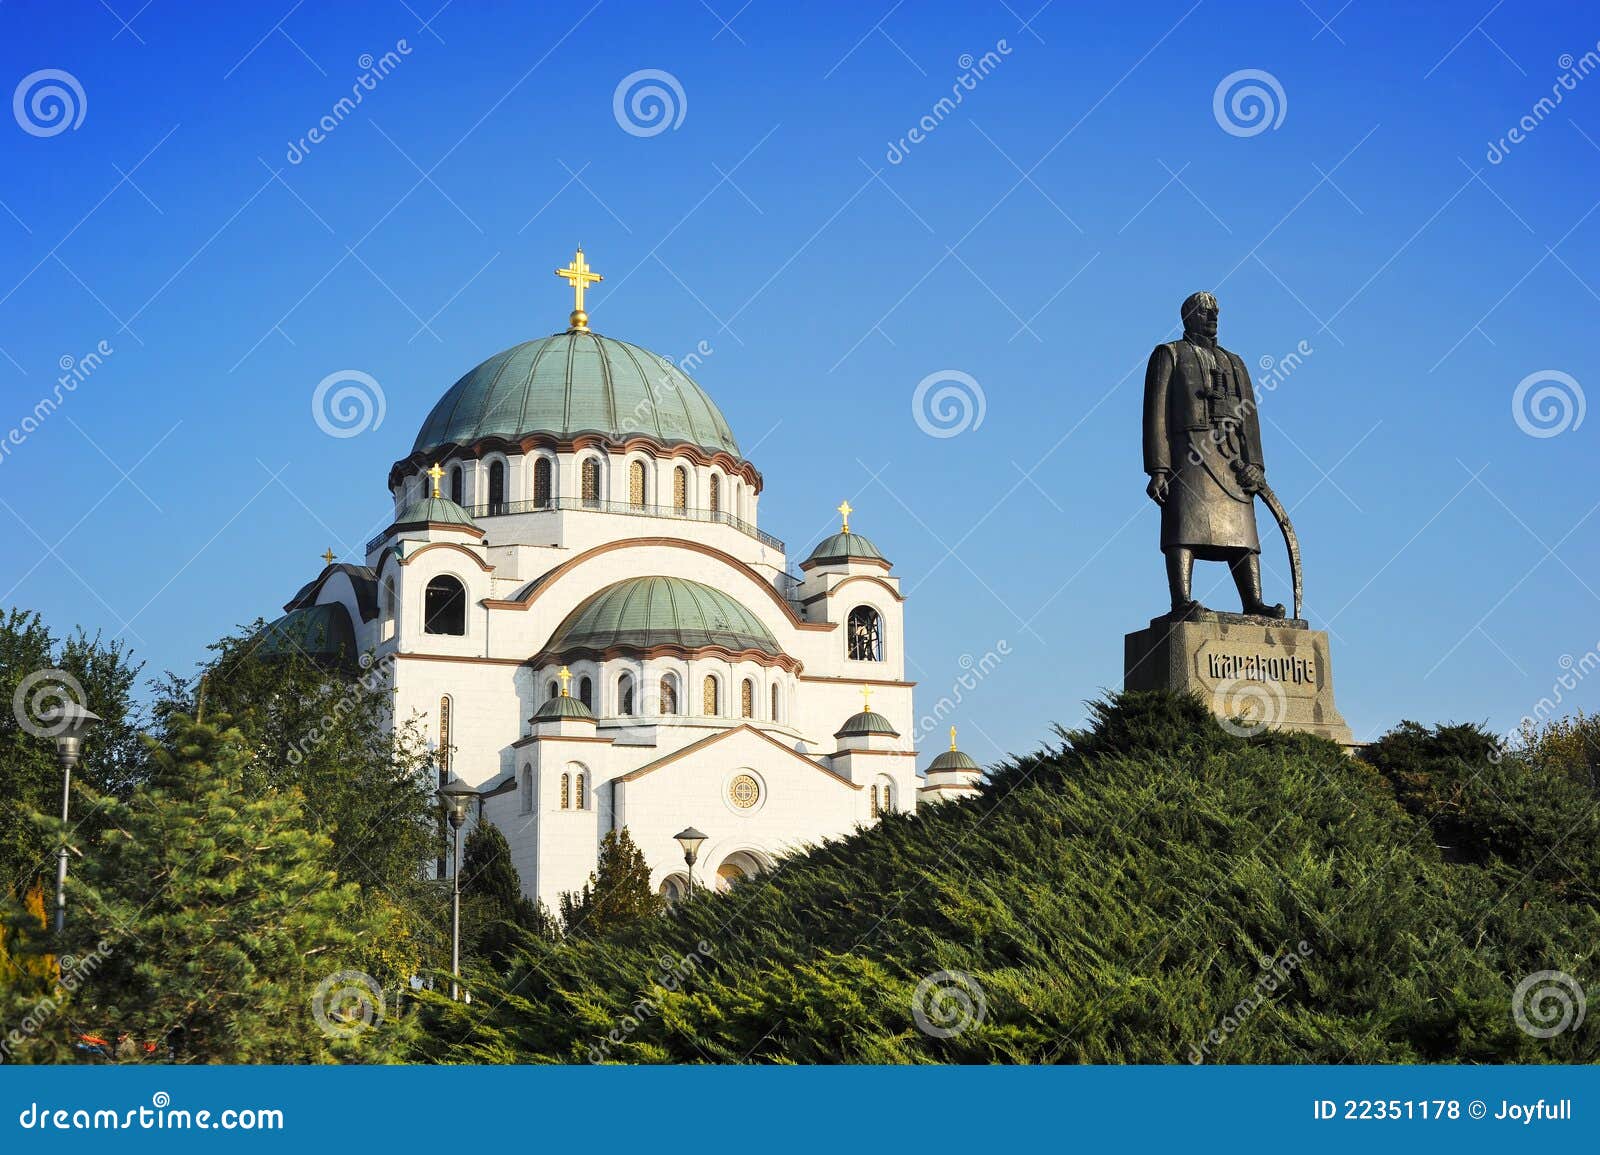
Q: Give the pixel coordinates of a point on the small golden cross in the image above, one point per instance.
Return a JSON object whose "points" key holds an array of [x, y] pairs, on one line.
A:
{"points": [[566, 676], [952, 739], [845, 511], [328, 557], [579, 276], [436, 473], [866, 697]]}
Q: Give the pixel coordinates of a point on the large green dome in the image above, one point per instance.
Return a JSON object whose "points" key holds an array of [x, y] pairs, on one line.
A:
{"points": [[577, 382], [647, 612]]}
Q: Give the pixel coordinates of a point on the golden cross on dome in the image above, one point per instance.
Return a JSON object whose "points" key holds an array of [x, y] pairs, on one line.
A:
{"points": [[328, 557], [952, 739], [844, 512], [866, 697], [436, 473], [580, 277], [566, 677]]}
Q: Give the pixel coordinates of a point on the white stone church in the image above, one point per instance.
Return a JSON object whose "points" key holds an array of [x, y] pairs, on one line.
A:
{"points": [[576, 597]]}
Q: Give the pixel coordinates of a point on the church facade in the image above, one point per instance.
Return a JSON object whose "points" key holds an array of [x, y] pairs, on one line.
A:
{"points": [[577, 599]]}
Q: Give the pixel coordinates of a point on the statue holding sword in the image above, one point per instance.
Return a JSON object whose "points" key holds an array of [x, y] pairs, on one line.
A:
{"points": [[1202, 452]]}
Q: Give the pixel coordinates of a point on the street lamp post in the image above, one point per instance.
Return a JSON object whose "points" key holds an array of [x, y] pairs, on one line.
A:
{"points": [[457, 797], [690, 839], [69, 724]]}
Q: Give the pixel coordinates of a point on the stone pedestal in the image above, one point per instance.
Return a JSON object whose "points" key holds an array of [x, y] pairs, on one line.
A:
{"points": [[1252, 671]]}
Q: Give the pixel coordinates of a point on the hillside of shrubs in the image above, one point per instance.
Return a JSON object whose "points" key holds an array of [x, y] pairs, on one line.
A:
{"points": [[1152, 889]]}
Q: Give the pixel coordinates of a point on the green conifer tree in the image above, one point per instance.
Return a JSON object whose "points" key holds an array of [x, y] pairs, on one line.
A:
{"points": [[618, 891], [203, 926]]}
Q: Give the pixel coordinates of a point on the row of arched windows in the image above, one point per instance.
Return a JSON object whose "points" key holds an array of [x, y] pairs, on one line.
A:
{"points": [[882, 799], [590, 485], [668, 696], [574, 794]]}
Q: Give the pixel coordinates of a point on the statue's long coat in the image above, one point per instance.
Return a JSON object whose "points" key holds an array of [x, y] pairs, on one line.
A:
{"points": [[1195, 431]]}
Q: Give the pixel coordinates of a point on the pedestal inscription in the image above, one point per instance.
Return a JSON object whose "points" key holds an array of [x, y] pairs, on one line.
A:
{"points": [[1252, 671]]}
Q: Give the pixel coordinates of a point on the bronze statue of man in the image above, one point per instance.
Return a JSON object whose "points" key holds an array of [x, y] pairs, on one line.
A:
{"points": [[1202, 450]]}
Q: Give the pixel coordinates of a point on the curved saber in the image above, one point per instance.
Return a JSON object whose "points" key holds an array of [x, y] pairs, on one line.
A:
{"points": [[1289, 539]]}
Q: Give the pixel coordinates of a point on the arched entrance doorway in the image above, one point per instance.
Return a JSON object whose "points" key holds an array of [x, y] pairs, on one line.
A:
{"points": [[739, 865]]}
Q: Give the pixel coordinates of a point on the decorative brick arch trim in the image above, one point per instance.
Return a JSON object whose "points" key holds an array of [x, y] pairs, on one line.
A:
{"points": [[411, 557], [552, 577], [860, 577]]}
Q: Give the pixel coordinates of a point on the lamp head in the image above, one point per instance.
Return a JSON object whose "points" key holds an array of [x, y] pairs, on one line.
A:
{"points": [[457, 797], [690, 839]]}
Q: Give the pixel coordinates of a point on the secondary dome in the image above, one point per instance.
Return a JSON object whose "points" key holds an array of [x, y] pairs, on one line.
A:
{"points": [[648, 612], [845, 546], [577, 382]]}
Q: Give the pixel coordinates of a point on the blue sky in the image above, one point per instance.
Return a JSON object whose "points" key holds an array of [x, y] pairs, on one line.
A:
{"points": [[1038, 239]]}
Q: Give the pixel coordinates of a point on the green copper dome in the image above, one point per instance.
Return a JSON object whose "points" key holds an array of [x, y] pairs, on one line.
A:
{"points": [[438, 510], [645, 612], [844, 547], [953, 760], [577, 382], [866, 722], [562, 706], [323, 634]]}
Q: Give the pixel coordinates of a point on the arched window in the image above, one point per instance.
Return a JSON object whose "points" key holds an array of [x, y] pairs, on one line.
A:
{"points": [[541, 483], [680, 489], [669, 694], [444, 607], [864, 635], [580, 800], [566, 792], [391, 607], [590, 471], [586, 691], [636, 484], [708, 697], [455, 484], [776, 716], [497, 487], [885, 797], [715, 501], [552, 689], [527, 789], [875, 809], [747, 699], [625, 695]]}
